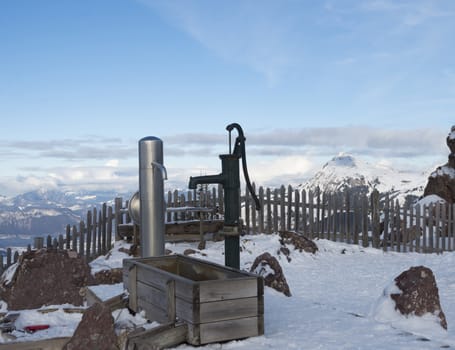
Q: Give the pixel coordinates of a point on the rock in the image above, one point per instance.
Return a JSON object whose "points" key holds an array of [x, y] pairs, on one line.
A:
{"points": [[269, 268], [299, 241], [189, 251], [109, 276], [442, 181], [52, 277], [95, 331], [419, 294]]}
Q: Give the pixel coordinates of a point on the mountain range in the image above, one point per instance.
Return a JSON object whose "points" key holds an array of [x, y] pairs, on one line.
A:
{"points": [[344, 171], [43, 212]]}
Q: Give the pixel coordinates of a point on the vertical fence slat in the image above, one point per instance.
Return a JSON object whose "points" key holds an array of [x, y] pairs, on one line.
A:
{"points": [[282, 208], [275, 204], [311, 233], [109, 229], [88, 243], [253, 213], [269, 210], [289, 209], [304, 212], [419, 228], [296, 210]]}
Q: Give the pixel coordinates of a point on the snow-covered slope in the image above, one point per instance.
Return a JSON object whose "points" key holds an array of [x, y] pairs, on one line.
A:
{"points": [[347, 172]]}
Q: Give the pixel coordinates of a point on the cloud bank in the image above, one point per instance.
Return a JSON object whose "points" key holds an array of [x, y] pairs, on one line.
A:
{"points": [[273, 155]]}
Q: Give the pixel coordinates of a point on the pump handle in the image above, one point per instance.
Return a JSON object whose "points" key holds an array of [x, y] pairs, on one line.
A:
{"points": [[239, 150]]}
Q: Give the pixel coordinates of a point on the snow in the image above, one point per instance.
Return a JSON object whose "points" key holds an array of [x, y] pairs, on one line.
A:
{"points": [[347, 171], [107, 291], [444, 170], [427, 200], [339, 299], [114, 259]]}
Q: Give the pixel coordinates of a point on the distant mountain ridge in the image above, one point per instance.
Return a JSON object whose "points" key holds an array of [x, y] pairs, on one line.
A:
{"points": [[344, 171], [44, 212]]}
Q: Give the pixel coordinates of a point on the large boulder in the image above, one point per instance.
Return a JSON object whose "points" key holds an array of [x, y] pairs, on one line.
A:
{"points": [[419, 294], [442, 181], [95, 331], [50, 276], [270, 269]]}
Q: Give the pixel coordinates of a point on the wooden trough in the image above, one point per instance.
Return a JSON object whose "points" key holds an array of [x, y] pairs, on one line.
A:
{"points": [[216, 303]]}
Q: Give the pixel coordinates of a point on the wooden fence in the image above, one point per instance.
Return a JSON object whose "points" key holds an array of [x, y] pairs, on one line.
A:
{"points": [[374, 220], [95, 235]]}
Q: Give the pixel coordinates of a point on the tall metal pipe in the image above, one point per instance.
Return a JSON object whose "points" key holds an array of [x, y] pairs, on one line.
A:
{"points": [[152, 174]]}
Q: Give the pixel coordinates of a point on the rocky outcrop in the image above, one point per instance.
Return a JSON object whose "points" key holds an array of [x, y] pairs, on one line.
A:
{"points": [[95, 331], [419, 294], [51, 277], [442, 181], [300, 242], [270, 269]]}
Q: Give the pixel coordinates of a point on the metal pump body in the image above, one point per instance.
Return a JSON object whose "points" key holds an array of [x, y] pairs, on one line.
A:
{"points": [[229, 178]]}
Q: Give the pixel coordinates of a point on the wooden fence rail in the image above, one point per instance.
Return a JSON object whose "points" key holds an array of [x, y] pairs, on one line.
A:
{"points": [[372, 221]]}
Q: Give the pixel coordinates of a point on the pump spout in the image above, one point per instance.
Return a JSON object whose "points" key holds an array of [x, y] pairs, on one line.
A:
{"points": [[208, 179]]}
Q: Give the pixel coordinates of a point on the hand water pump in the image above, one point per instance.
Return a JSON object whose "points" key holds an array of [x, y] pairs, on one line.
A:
{"points": [[229, 178]]}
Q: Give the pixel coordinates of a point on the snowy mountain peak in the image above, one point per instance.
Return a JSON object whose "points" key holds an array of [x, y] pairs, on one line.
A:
{"points": [[342, 160], [345, 171]]}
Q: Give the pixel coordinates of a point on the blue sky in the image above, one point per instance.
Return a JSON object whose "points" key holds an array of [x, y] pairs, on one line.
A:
{"points": [[82, 81]]}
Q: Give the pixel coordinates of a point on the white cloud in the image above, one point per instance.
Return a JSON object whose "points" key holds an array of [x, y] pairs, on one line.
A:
{"points": [[112, 163]]}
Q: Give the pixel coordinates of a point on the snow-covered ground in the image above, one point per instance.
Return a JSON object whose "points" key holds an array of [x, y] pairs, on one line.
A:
{"points": [[337, 298]]}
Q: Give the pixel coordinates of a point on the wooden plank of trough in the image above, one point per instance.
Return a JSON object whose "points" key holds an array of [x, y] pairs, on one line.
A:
{"points": [[228, 289], [153, 302], [164, 336], [46, 344], [228, 330], [228, 310], [158, 278], [132, 288]]}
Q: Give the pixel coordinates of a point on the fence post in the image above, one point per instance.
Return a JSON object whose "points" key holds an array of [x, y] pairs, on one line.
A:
{"points": [[100, 233], [419, 228], [375, 217], [304, 213], [253, 213], [8, 257], [49, 242], [88, 243], [61, 245], [275, 204], [109, 228], [431, 210], [74, 245], [282, 208], [311, 233], [269, 210], [261, 213], [365, 239], [118, 217], [81, 239], [247, 211], [289, 209], [68, 237], [38, 242], [323, 223], [297, 210], [104, 229], [94, 230], [318, 212]]}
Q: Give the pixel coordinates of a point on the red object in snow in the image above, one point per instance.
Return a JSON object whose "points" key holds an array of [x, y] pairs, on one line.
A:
{"points": [[36, 327]]}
